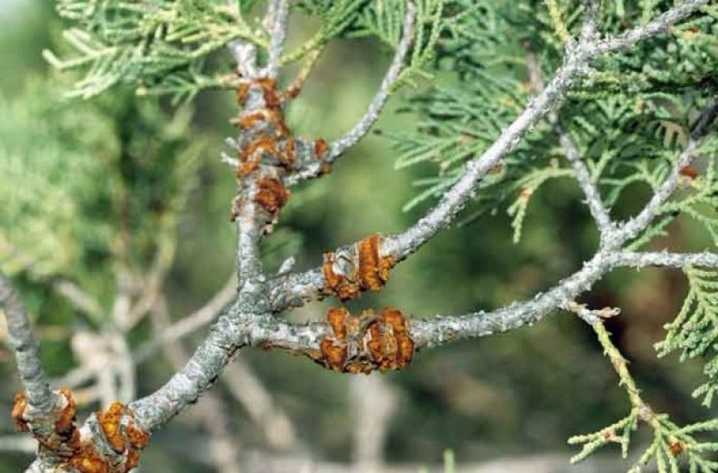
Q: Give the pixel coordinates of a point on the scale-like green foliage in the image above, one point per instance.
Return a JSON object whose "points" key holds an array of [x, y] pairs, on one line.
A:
{"points": [[616, 433], [62, 172], [156, 46], [101, 183], [167, 47], [694, 331], [671, 449], [627, 128], [529, 184], [384, 19]]}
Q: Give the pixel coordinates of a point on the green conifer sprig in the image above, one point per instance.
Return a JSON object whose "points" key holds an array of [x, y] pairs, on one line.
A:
{"points": [[671, 449], [528, 185], [671, 446], [154, 46], [694, 331], [93, 174]]}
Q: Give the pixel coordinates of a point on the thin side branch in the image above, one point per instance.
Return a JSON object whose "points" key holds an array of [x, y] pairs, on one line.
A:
{"points": [[40, 398], [634, 226], [277, 16], [212, 409], [658, 25], [362, 127], [190, 324], [78, 297], [18, 443], [667, 259], [588, 186]]}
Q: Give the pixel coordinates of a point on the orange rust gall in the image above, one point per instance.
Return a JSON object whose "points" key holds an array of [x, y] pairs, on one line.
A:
{"points": [[250, 120], [333, 354], [80, 454], [250, 156], [138, 438], [133, 459], [389, 343], [65, 422], [246, 168], [358, 368], [263, 143], [341, 286], [87, 460], [269, 90], [111, 423], [320, 147], [18, 411], [271, 194], [373, 269], [689, 172], [242, 93], [677, 448], [337, 318], [367, 342], [289, 154], [395, 319], [275, 117]]}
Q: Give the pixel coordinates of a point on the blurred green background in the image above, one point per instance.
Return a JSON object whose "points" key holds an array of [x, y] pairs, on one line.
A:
{"points": [[508, 396]]}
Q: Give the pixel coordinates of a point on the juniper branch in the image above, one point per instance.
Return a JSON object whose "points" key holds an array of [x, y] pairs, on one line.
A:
{"points": [[590, 190], [18, 443], [248, 321], [574, 66], [362, 127], [634, 226], [639, 260], [588, 186], [277, 15], [191, 323], [295, 289], [41, 400]]}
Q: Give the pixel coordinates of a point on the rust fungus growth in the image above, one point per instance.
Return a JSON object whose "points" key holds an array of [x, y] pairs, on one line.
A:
{"points": [[336, 317], [364, 343], [320, 147], [269, 90], [87, 460], [373, 269], [137, 437], [251, 155], [334, 353], [293, 91], [390, 344], [77, 450], [110, 421], [689, 172], [677, 448], [250, 120], [65, 423], [242, 93], [368, 270], [122, 434], [289, 153], [271, 195], [336, 283], [18, 412]]}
